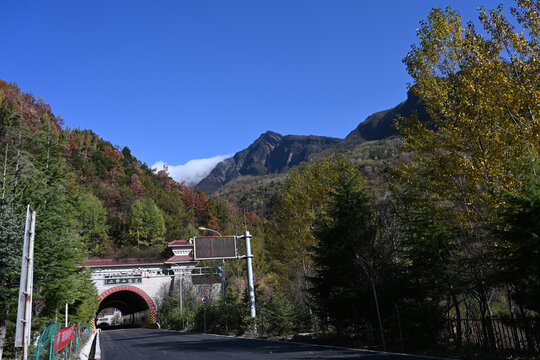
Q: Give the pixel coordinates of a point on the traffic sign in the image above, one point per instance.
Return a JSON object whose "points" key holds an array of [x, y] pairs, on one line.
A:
{"points": [[214, 247], [204, 300]]}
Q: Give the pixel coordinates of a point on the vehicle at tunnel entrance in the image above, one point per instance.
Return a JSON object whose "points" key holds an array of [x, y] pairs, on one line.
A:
{"points": [[133, 303], [106, 320]]}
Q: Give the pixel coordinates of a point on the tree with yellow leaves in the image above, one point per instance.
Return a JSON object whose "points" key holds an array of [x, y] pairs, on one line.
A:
{"points": [[483, 96], [481, 90]]}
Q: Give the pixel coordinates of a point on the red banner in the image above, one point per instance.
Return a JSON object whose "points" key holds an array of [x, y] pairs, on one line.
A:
{"points": [[62, 338]]}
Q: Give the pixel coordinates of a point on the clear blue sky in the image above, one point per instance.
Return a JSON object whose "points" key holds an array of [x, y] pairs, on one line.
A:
{"points": [[181, 80]]}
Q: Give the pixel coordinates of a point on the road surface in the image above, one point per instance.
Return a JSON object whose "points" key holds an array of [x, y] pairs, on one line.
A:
{"points": [[142, 344]]}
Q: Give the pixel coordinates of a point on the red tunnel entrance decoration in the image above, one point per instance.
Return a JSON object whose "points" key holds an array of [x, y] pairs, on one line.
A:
{"points": [[134, 289]]}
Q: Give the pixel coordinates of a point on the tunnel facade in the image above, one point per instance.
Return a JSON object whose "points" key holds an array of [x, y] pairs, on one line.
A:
{"points": [[138, 286]]}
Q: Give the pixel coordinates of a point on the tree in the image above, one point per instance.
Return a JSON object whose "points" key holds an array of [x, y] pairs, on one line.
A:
{"points": [[355, 254], [34, 172], [519, 252], [91, 222], [146, 224], [433, 267], [10, 253], [481, 94], [164, 192], [85, 302], [303, 198], [344, 232], [189, 232], [58, 247], [482, 98]]}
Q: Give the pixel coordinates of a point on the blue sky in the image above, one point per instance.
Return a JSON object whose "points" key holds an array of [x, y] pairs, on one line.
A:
{"points": [[182, 80]]}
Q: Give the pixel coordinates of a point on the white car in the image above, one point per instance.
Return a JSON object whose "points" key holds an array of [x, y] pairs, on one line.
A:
{"points": [[104, 321]]}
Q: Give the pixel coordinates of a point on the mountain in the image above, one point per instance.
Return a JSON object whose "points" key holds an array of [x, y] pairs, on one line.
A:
{"points": [[380, 125], [258, 193], [273, 153]]}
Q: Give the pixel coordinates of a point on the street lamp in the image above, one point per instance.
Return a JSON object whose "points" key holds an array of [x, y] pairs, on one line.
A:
{"points": [[207, 229]]}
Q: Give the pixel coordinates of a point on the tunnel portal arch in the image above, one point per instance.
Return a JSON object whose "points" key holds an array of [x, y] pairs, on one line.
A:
{"points": [[126, 298]]}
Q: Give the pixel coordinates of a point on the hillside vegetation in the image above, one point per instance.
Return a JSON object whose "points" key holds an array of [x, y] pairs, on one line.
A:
{"points": [[258, 193], [93, 199]]}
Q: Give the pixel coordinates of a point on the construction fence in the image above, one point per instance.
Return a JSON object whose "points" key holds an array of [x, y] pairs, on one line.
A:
{"points": [[57, 342]]}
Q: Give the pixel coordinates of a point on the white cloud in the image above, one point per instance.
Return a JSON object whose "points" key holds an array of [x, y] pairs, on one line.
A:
{"points": [[193, 171]]}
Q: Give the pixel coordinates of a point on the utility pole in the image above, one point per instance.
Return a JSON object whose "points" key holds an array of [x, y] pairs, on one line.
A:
{"points": [[24, 310]]}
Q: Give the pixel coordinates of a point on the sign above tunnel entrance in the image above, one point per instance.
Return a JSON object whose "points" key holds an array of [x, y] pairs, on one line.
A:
{"points": [[214, 247], [115, 281]]}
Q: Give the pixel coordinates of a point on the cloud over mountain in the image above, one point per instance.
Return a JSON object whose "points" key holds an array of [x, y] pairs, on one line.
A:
{"points": [[193, 171]]}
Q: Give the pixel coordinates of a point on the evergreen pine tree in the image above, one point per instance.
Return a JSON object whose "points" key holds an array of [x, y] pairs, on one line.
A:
{"points": [[519, 254], [341, 235], [11, 236]]}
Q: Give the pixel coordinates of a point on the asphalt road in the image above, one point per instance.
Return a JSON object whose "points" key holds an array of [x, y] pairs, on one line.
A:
{"points": [[142, 344]]}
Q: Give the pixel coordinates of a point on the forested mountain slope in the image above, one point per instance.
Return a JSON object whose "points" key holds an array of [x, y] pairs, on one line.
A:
{"points": [[93, 199], [113, 192]]}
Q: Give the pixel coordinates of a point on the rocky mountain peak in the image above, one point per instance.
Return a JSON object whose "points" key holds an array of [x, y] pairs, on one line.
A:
{"points": [[273, 153]]}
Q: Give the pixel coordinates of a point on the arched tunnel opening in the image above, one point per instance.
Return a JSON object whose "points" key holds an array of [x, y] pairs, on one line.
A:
{"points": [[125, 306]]}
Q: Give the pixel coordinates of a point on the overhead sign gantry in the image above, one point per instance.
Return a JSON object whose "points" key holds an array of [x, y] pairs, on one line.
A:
{"points": [[224, 247]]}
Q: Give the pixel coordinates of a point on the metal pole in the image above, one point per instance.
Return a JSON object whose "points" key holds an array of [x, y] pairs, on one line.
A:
{"points": [[66, 314], [182, 294], [204, 317], [181, 286], [24, 310], [251, 287], [224, 295], [29, 285]]}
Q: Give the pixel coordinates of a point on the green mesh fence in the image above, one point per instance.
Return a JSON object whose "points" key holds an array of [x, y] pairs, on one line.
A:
{"points": [[44, 347]]}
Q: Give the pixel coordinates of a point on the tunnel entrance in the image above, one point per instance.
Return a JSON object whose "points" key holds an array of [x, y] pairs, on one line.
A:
{"points": [[133, 303], [127, 299]]}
